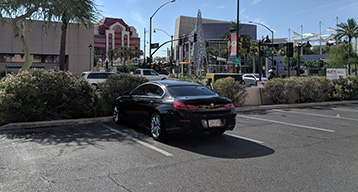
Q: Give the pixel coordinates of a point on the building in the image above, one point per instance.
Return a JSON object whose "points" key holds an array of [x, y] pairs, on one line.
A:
{"points": [[212, 30], [45, 47], [112, 33]]}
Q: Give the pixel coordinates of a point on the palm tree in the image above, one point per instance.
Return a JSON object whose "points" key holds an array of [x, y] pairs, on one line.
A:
{"points": [[124, 52], [348, 31], [82, 12]]}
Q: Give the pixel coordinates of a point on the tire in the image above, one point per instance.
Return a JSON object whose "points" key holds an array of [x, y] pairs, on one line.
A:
{"points": [[116, 115], [217, 132], [157, 131]]}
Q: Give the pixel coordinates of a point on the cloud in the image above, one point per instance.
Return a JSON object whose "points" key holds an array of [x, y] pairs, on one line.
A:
{"points": [[320, 7], [221, 7], [255, 2], [137, 17]]}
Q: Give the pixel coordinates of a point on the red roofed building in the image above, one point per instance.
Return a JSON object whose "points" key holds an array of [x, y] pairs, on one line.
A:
{"points": [[113, 33]]}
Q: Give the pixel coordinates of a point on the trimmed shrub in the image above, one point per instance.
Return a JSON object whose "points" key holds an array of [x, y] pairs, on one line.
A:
{"points": [[297, 90], [344, 89], [45, 95], [194, 79], [115, 86], [234, 90]]}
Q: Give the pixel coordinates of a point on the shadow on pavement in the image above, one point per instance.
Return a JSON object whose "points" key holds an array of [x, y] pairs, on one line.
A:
{"points": [[223, 146], [80, 135]]}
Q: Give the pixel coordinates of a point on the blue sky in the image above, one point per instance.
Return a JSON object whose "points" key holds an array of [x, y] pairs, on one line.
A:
{"points": [[278, 15]]}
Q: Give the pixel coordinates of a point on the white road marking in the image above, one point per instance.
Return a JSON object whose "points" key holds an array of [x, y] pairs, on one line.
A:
{"points": [[139, 141], [318, 115], [290, 124], [244, 138]]}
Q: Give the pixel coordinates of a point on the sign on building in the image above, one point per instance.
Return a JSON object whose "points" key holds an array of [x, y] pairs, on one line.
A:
{"points": [[335, 73]]}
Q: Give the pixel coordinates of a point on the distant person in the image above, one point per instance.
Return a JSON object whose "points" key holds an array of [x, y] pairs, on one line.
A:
{"points": [[271, 74]]}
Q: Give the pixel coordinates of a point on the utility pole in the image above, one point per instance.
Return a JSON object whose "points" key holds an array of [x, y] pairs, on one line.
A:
{"points": [[144, 60]]}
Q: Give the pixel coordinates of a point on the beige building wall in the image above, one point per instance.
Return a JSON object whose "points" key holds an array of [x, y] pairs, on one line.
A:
{"points": [[48, 43]]}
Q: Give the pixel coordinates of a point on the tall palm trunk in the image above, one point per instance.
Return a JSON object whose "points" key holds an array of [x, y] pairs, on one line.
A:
{"points": [[63, 64], [349, 55]]}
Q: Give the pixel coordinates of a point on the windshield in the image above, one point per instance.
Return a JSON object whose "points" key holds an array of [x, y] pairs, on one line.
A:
{"points": [[190, 90]]}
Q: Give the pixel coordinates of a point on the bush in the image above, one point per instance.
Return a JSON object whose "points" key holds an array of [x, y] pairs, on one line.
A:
{"points": [[344, 89], [193, 79], [115, 86], [297, 90], [45, 95], [234, 90]]}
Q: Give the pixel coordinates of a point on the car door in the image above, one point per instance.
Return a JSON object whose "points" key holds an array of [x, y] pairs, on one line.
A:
{"points": [[250, 80], [154, 75], [133, 109], [146, 105]]}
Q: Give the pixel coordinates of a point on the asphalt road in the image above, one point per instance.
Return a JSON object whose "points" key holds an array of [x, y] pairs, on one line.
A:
{"points": [[296, 149]]}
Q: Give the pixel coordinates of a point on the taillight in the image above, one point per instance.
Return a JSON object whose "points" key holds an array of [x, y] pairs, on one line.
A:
{"points": [[181, 106], [229, 106], [192, 107]]}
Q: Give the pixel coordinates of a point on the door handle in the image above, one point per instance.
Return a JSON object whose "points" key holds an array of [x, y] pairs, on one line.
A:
{"points": [[151, 102]]}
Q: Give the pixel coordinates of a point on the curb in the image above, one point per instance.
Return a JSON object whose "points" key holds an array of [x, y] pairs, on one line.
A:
{"points": [[296, 105], [56, 123]]}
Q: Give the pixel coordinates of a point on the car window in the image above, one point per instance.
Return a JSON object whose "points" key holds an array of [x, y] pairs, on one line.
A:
{"points": [[190, 90], [146, 73], [140, 90], [93, 76], [137, 72], [153, 72], [154, 90]]}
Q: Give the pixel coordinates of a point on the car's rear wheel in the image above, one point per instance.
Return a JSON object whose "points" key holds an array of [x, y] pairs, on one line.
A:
{"points": [[116, 115], [156, 129]]}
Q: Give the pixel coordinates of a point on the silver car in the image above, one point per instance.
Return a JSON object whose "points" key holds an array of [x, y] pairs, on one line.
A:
{"points": [[252, 79]]}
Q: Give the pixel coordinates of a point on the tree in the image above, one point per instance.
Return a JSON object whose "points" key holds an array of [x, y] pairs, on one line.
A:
{"points": [[21, 11], [348, 31], [338, 57], [124, 52], [82, 12]]}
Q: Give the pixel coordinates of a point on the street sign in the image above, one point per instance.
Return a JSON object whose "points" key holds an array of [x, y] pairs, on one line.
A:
{"points": [[154, 45], [237, 60], [269, 52]]}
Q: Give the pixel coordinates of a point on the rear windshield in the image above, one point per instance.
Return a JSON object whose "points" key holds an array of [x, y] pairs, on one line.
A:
{"points": [[190, 90]]}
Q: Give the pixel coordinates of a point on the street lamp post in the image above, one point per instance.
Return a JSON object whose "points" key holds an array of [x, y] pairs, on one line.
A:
{"points": [[150, 30], [298, 55], [90, 59], [271, 42], [171, 46]]}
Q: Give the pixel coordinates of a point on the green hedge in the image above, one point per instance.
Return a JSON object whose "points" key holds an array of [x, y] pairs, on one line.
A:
{"points": [[115, 86], [234, 90], [45, 95], [309, 89]]}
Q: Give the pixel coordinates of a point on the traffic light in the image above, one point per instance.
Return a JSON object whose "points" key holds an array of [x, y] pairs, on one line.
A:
{"points": [[289, 49], [321, 63], [195, 37], [274, 62]]}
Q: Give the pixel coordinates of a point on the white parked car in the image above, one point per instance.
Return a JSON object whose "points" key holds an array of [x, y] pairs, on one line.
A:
{"points": [[252, 79], [150, 74], [95, 77]]}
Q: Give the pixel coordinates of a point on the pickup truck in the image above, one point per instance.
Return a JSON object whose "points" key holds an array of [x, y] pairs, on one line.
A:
{"points": [[150, 74]]}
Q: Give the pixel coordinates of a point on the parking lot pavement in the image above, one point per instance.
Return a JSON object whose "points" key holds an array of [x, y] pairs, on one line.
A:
{"points": [[290, 149]]}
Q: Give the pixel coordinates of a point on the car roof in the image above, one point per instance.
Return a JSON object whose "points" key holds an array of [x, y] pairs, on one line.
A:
{"points": [[99, 72], [171, 83]]}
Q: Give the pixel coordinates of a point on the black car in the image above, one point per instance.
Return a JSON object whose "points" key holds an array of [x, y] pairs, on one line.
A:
{"points": [[175, 106]]}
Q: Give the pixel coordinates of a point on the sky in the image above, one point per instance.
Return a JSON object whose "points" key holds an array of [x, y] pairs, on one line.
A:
{"points": [[281, 16]]}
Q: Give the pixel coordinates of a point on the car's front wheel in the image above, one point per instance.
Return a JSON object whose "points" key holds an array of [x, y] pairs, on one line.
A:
{"points": [[156, 129], [116, 115]]}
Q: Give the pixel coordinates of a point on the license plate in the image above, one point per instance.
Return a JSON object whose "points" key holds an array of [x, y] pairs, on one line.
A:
{"points": [[214, 123]]}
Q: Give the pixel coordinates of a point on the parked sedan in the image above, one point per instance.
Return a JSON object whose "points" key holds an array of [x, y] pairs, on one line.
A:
{"points": [[252, 79], [175, 106]]}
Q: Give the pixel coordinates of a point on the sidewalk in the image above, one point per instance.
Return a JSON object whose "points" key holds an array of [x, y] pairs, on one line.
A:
{"points": [[57, 123]]}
